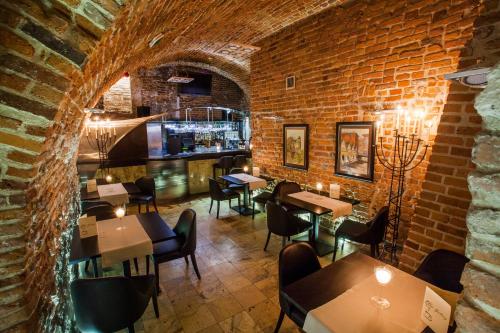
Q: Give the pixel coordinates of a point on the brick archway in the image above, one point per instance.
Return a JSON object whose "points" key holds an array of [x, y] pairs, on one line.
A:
{"points": [[57, 57]]}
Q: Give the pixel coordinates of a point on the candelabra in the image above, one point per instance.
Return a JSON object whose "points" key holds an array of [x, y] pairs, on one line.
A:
{"points": [[100, 136], [403, 157]]}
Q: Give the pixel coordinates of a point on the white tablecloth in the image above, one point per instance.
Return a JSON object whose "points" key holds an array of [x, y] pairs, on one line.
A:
{"points": [[122, 239], [339, 208], [353, 312], [253, 182], [115, 194]]}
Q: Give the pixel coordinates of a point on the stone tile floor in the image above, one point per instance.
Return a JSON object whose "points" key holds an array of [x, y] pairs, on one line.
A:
{"points": [[238, 291]]}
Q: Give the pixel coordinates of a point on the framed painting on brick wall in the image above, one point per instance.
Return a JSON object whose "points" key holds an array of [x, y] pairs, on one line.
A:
{"points": [[296, 146], [355, 153]]}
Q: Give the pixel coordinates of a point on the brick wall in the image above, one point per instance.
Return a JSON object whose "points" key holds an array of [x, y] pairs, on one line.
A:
{"points": [[118, 98], [150, 88], [376, 55]]}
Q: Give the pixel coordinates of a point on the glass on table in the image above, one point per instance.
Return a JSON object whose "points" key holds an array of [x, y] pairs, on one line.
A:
{"points": [[383, 275]]}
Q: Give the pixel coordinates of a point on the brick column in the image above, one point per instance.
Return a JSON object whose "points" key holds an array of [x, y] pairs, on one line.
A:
{"points": [[479, 310]]}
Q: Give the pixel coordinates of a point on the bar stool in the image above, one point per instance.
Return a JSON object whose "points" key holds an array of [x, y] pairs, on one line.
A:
{"points": [[225, 163], [239, 161]]}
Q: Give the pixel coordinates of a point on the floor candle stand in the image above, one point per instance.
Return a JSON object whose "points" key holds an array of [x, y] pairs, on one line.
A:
{"points": [[100, 136], [405, 157]]}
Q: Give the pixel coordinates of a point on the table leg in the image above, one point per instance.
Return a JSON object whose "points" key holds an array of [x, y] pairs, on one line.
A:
{"points": [[322, 248], [126, 268], [245, 210], [94, 265]]}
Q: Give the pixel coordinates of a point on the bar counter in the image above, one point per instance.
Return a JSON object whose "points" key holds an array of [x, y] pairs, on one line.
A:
{"points": [[176, 176]]}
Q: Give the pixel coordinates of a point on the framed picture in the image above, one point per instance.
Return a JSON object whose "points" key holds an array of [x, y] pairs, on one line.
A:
{"points": [[354, 155], [290, 82], [296, 146]]}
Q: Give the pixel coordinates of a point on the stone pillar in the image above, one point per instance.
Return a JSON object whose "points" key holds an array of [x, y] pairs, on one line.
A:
{"points": [[479, 310]]}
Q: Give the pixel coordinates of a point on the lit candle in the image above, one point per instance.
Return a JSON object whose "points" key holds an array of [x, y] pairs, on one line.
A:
{"points": [[120, 212], [319, 187], [245, 169], [109, 178], [383, 275]]}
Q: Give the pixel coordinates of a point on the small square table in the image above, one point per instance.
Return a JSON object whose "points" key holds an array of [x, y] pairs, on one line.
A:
{"points": [[83, 249], [319, 205], [130, 188], [249, 183]]}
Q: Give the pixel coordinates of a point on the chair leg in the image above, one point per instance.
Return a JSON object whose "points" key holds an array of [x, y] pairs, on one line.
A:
{"points": [[186, 260], [229, 203], [147, 207], [218, 207], [343, 243], [239, 205], [155, 304], [335, 247], [94, 265], [157, 276], [136, 264], [211, 204], [147, 264], [280, 321], [131, 329], [267, 240], [372, 250], [195, 265], [253, 209], [283, 241], [154, 204]]}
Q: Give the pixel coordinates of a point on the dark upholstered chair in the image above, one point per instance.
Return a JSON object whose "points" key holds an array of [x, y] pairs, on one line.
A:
{"points": [[182, 246], [239, 161], [101, 210], [219, 194], [296, 261], [264, 197], [225, 163], [112, 303], [284, 189], [147, 195], [371, 233], [282, 223], [443, 268]]}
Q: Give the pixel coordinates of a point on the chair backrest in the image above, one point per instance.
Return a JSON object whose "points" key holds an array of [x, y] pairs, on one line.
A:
{"points": [[277, 219], [225, 162], [236, 170], [239, 161], [443, 268], [379, 223], [275, 191], [101, 212], [215, 190], [186, 228], [285, 188], [146, 185], [112, 303], [296, 261]]}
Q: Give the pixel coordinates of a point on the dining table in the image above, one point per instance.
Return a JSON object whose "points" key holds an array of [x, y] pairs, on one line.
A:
{"points": [[129, 187], [317, 205], [119, 240], [249, 183], [337, 298]]}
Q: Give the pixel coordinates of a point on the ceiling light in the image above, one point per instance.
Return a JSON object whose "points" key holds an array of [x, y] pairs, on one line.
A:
{"points": [[476, 78]]}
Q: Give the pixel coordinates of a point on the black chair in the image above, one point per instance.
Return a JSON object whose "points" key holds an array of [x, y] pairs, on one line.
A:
{"points": [[365, 233], [443, 268], [282, 223], [263, 197], [239, 161], [219, 194], [182, 246], [296, 261], [225, 163], [112, 303], [147, 195], [101, 210], [283, 190]]}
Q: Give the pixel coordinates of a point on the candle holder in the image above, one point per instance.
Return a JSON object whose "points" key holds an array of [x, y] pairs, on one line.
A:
{"points": [[383, 276], [403, 158], [100, 136]]}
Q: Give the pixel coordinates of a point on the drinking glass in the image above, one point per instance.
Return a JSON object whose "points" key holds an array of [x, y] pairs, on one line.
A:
{"points": [[383, 275]]}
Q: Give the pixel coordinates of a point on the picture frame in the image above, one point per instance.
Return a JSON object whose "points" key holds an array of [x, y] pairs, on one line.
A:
{"points": [[290, 82], [296, 146], [355, 150]]}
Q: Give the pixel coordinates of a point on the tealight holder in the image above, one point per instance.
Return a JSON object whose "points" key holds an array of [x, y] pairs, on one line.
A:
{"points": [[383, 275]]}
